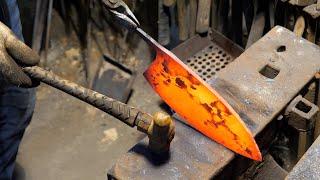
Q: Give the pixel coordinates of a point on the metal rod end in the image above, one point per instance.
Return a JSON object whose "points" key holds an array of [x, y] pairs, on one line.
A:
{"points": [[161, 132]]}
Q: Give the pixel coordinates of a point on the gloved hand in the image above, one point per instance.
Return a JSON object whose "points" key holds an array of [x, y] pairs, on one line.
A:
{"points": [[13, 54]]}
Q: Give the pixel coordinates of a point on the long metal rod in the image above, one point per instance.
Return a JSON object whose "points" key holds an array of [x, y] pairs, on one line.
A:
{"points": [[129, 115], [148, 39]]}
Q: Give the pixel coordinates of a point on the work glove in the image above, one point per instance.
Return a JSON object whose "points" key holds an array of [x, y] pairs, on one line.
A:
{"points": [[14, 54]]}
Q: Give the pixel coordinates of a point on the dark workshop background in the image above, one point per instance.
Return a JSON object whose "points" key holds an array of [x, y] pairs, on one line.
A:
{"points": [[80, 41]]}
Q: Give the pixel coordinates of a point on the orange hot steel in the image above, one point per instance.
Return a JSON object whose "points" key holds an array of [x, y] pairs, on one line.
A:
{"points": [[200, 105]]}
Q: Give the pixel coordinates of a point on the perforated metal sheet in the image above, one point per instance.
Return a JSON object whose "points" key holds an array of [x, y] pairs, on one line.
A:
{"points": [[207, 62]]}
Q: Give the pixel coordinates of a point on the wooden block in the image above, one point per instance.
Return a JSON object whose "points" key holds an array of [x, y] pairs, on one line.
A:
{"points": [[183, 19]]}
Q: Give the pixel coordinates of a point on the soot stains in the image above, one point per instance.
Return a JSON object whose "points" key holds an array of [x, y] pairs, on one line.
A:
{"points": [[165, 66], [219, 114], [167, 82], [180, 83], [207, 107], [219, 104], [214, 123], [192, 79], [222, 124], [248, 151], [163, 75]]}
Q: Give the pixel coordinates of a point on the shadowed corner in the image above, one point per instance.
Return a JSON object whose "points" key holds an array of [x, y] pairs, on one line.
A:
{"points": [[154, 158], [19, 172]]}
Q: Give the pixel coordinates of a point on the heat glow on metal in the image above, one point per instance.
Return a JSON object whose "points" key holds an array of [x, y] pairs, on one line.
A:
{"points": [[200, 105]]}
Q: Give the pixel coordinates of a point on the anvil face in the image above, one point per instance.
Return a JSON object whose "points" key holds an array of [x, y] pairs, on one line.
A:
{"points": [[200, 105]]}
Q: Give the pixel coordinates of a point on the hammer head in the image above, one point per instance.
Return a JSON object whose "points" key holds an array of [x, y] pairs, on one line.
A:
{"points": [[160, 133]]}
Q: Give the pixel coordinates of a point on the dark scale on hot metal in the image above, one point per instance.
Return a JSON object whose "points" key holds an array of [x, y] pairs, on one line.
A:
{"points": [[180, 83]]}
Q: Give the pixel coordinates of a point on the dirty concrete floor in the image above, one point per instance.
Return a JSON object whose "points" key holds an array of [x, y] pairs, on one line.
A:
{"points": [[68, 139]]}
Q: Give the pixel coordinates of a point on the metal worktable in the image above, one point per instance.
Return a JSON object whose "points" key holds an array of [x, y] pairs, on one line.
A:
{"points": [[308, 166], [258, 85]]}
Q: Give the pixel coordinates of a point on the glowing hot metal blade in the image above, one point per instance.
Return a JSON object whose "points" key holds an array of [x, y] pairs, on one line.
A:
{"points": [[200, 105]]}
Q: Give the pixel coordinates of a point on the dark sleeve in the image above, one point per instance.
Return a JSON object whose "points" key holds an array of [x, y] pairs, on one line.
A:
{"points": [[14, 18]]}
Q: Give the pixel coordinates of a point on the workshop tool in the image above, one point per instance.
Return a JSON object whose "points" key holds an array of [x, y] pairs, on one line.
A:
{"points": [[223, 15], [192, 98], [193, 18], [159, 128], [300, 115], [259, 84], [183, 7], [163, 24], [260, 22], [203, 16], [214, 14], [299, 27], [256, 29]]}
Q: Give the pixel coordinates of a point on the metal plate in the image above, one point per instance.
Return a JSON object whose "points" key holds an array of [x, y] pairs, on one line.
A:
{"points": [[309, 165], [256, 98], [209, 61]]}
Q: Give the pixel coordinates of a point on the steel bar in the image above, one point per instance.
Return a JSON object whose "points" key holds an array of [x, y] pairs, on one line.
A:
{"points": [[160, 128], [163, 24], [129, 115]]}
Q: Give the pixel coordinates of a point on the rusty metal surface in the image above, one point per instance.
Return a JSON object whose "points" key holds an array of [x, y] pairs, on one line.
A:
{"points": [[192, 156], [211, 54], [256, 98], [312, 10], [259, 99], [209, 61], [309, 165]]}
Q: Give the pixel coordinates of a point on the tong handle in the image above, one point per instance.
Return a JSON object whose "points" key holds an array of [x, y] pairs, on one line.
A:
{"points": [[129, 115]]}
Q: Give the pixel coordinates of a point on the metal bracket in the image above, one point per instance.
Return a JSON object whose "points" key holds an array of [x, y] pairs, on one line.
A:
{"points": [[304, 113]]}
